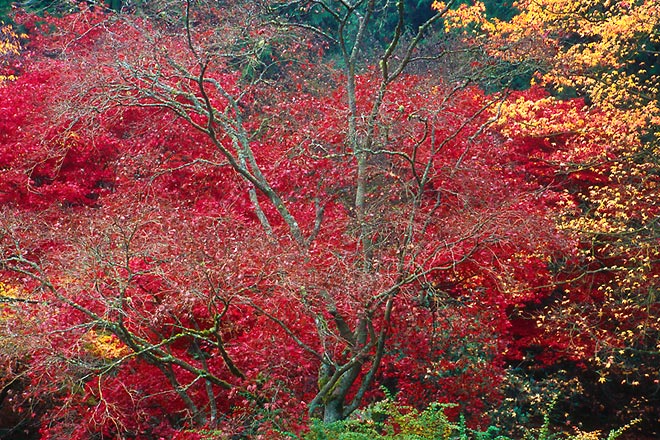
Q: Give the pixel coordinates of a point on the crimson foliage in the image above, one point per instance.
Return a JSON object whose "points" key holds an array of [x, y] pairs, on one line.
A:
{"points": [[154, 291]]}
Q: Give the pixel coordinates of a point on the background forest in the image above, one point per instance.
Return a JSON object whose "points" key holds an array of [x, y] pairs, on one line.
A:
{"points": [[329, 219]]}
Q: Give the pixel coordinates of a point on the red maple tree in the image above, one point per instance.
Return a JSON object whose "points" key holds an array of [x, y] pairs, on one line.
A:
{"points": [[190, 244]]}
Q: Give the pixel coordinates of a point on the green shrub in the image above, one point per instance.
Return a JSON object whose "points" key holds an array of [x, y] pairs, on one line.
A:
{"points": [[387, 420]]}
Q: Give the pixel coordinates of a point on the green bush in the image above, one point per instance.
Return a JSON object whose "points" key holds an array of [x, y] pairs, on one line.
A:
{"points": [[389, 420]]}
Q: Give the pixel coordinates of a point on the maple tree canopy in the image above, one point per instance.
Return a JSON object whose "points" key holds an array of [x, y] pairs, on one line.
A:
{"points": [[228, 219]]}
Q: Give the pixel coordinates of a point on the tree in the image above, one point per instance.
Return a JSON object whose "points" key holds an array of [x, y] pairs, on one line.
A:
{"points": [[601, 150], [258, 240]]}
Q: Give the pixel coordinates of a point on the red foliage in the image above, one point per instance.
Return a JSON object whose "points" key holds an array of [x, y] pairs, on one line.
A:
{"points": [[135, 226]]}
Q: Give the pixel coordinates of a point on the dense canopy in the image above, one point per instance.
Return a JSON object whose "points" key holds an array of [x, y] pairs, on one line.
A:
{"points": [[329, 219]]}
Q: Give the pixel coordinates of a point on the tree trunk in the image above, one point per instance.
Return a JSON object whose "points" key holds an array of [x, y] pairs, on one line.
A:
{"points": [[333, 411]]}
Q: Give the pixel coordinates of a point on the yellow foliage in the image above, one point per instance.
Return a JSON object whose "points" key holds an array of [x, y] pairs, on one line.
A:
{"points": [[10, 47], [7, 294], [9, 43], [595, 435], [596, 48], [584, 44], [464, 17], [7, 291], [105, 346]]}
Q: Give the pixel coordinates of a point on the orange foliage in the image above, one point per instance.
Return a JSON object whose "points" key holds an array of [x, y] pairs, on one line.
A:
{"points": [[606, 54], [10, 47]]}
